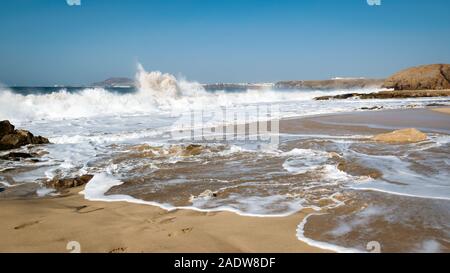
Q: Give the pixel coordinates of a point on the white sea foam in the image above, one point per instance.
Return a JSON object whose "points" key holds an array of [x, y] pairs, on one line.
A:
{"points": [[304, 160], [323, 245], [157, 92], [101, 183]]}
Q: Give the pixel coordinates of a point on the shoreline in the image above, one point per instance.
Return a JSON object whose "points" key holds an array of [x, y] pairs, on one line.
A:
{"points": [[48, 224]]}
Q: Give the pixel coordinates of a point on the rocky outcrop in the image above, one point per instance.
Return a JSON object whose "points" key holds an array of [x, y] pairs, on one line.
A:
{"points": [[390, 95], [410, 135], [68, 183], [13, 139], [426, 77], [336, 84], [6, 128]]}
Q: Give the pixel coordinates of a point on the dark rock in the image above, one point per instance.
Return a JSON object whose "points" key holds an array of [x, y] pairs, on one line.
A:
{"points": [[390, 95], [16, 156], [13, 139], [67, 183], [437, 105], [426, 77], [6, 128], [193, 150], [372, 108], [356, 169]]}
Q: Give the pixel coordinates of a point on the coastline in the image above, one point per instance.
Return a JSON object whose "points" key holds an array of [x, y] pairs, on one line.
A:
{"points": [[48, 224]]}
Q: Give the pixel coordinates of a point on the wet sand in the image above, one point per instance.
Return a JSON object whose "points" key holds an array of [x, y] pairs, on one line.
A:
{"points": [[442, 110], [371, 122], [48, 224]]}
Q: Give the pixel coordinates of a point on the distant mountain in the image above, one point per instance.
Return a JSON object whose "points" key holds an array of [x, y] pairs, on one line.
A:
{"points": [[116, 82]]}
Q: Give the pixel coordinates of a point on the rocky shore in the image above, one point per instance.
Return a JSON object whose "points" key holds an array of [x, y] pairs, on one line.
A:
{"points": [[404, 94], [10, 138], [417, 82]]}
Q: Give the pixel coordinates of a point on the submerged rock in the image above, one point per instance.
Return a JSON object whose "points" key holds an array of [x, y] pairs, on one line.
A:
{"points": [[355, 169], [192, 150], [17, 156], [13, 139], [372, 108], [67, 183], [410, 135]]}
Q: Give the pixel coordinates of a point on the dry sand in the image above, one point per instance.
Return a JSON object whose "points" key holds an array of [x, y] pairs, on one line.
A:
{"points": [[47, 225]]}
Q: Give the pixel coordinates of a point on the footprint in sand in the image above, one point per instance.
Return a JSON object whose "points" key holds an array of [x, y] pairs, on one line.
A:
{"points": [[183, 231], [187, 230], [118, 250], [26, 225]]}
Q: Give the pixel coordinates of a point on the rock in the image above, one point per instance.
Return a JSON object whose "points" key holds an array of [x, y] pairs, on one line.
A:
{"points": [[192, 150], [355, 169], [410, 135], [6, 128], [67, 183], [426, 77], [437, 105], [389, 95], [16, 156], [372, 108], [13, 139], [116, 82]]}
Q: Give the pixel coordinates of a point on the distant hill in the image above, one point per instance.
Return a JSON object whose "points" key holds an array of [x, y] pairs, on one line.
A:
{"points": [[236, 86], [330, 84], [425, 77], [116, 82]]}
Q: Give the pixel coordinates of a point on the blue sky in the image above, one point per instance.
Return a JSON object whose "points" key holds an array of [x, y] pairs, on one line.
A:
{"points": [[46, 42]]}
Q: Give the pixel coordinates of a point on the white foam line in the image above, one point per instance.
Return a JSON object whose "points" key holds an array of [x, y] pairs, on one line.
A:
{"points": [[95, 191], [357, 137], [6, 184], [400, 194], [327, 246]]}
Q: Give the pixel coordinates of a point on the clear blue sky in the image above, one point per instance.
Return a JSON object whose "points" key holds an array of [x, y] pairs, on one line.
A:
{"points": [[46, 42]]}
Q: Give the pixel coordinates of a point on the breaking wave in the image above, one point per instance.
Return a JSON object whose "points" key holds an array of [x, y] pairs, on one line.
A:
{"points": [[155, 92]]}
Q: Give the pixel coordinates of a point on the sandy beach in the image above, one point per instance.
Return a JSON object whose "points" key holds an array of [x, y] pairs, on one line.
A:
{"points": [[48, 224]]}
